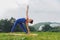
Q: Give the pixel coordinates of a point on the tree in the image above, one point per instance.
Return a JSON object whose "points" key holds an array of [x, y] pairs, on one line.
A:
{"points": [[32, 28], [47, 27]]}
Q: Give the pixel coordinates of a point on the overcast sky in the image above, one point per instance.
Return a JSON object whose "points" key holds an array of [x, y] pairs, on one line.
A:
{"points": [[39, 10]]}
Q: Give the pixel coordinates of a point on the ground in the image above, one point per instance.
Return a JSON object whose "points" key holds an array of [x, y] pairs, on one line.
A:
{"points": [[39, 36]]}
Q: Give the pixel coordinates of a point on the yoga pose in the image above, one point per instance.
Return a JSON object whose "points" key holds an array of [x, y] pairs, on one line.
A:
{"points": [[21, 21]]}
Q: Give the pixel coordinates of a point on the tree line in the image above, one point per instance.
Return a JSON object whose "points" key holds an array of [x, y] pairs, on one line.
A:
{"points": [[48, 28], [6, 25]]}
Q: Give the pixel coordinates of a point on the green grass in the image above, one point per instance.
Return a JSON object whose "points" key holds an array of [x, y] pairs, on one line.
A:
{"points": [[40, 36]]}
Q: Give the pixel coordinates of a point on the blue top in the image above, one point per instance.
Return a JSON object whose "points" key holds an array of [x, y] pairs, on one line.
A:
{"points": [[21, 20]]}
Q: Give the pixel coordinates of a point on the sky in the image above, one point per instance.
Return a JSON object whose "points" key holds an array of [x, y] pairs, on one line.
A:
{"points": [[39, 10]]}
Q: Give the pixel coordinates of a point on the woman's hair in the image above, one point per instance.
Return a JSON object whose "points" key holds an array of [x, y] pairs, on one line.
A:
{"points": [[31, 21]]}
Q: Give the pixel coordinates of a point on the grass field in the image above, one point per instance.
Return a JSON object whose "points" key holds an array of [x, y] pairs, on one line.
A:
{"points": [[40, 36]]}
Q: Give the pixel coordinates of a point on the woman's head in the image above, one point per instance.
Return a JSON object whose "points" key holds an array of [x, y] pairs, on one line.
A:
{"points": [[31, 21]]}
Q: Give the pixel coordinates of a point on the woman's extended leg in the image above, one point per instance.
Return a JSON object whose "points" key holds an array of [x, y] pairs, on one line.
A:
{"points": [[23, 27], [14, 26]]}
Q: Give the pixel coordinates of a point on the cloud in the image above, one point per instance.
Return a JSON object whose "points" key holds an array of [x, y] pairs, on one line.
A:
{"points": [[26, 2], [45, 10], [39, 10]]}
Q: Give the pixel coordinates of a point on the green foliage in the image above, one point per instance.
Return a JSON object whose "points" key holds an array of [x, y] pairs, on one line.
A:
{"points": [[47, 27], [32, 28], [36, 26], [6, 25], [55, 29]]}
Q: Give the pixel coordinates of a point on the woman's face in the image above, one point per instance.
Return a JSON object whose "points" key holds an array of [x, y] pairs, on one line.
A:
{"points": [[30, 21]]}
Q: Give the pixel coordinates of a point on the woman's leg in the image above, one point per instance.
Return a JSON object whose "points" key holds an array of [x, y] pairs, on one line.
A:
{"points": [[14, 26], [23, 27]]}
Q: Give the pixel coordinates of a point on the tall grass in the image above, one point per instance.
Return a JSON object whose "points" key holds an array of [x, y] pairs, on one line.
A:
{"points": [[40, 36]]}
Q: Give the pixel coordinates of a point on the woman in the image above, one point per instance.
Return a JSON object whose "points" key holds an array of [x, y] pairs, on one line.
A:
{"points": [[21, 21]]}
